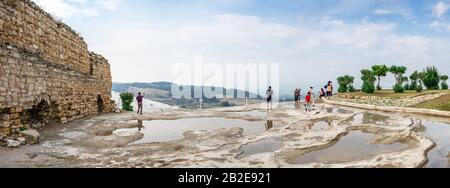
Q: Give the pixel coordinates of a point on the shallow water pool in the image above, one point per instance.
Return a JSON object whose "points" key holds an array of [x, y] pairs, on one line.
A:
{"points": [[256, 113], [267, 145], [353, 147], [440, 134], [368, 118], [338, 111], [321, 125], [170, 130]]}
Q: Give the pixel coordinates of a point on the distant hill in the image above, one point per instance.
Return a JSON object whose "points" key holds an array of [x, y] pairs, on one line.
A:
{"points": [[122, 87], [162, 92], [166, 88]]}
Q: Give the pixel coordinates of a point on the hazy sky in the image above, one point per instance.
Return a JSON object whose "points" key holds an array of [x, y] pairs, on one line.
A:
{"points": [[313, 40]]}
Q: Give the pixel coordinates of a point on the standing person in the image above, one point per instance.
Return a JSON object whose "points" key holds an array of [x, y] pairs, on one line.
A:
{"points": [[140, 101], [330, 89], [322, 93], [313, 96], [299, 95], [296, 96], [308, 102], [269, 95]]}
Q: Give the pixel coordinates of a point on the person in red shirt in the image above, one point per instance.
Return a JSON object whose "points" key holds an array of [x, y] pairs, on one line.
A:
{"points": [[140, 101], [308, 101]]}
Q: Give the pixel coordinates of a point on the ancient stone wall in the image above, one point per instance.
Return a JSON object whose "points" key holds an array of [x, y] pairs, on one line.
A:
{"points": [[46, 71]]}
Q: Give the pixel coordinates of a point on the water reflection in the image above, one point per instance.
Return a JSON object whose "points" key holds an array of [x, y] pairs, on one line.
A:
{"points": [[140, 125], [368, 118], [330, 110], [269, 125], [343, 111], [338, 111]]}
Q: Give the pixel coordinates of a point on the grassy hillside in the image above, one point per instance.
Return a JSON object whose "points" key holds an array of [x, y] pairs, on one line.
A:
{"points": [[441, 103], [391, 94]]}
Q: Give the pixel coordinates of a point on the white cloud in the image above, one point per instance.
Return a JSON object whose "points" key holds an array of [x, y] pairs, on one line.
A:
{"points": [[440, 9], [383, 12], [440, 25], [109, 4], [70, 8], [327, 21], [59, 8]]}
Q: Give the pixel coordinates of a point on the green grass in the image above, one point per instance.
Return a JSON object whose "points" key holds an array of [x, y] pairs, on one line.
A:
{"points": [[441, 103]]}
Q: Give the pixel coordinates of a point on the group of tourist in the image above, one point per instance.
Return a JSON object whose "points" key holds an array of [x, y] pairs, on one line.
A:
{"points": [[327, 91]]}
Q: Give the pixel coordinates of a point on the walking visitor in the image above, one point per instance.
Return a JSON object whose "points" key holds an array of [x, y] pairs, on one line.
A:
{"points": [[140, 100], [269, 95]]}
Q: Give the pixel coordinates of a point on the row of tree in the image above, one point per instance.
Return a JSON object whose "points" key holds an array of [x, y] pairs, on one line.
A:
{"points": [[429, 77]]}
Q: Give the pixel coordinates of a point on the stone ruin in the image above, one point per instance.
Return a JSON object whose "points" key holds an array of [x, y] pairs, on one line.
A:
{"points": [[47, 73]]}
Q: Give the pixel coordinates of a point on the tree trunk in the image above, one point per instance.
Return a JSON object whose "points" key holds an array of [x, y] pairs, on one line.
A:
{"points": [[379, 80]]}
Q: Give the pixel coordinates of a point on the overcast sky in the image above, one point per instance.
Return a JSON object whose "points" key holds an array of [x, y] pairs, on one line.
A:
{"points": [[313, 40]]}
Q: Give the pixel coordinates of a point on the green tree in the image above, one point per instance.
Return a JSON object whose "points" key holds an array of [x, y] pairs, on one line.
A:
{"points": [[398, 72], [415, 77], [127, 98], [444, 84], [368, 78], [380, 71], [351, 88], [431, 78], [421, 76], [345, 83], [407, 85]]}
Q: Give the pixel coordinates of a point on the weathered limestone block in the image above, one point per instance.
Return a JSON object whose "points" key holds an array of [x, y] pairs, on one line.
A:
{"points": [[4, 124], [5, 131], [14, 116], [3, 137], [15, 110], [12, 143], [4, 117], [15, 122], [22, 140], [31, 135]]}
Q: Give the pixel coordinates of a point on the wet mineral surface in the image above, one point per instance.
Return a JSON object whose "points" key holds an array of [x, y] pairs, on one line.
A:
{"points": [[241, 137]]}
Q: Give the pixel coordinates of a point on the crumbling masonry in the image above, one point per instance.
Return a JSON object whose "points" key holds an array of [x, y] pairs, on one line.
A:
{"points": [[46, 71]]}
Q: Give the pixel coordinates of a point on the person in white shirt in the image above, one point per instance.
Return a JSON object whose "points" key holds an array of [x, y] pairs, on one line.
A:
{"points": [[269, 95], [313, 96]]}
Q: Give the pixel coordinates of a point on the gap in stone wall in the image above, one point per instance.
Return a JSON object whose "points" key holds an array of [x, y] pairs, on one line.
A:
{"points": [[39, 116], [100, 104]]}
